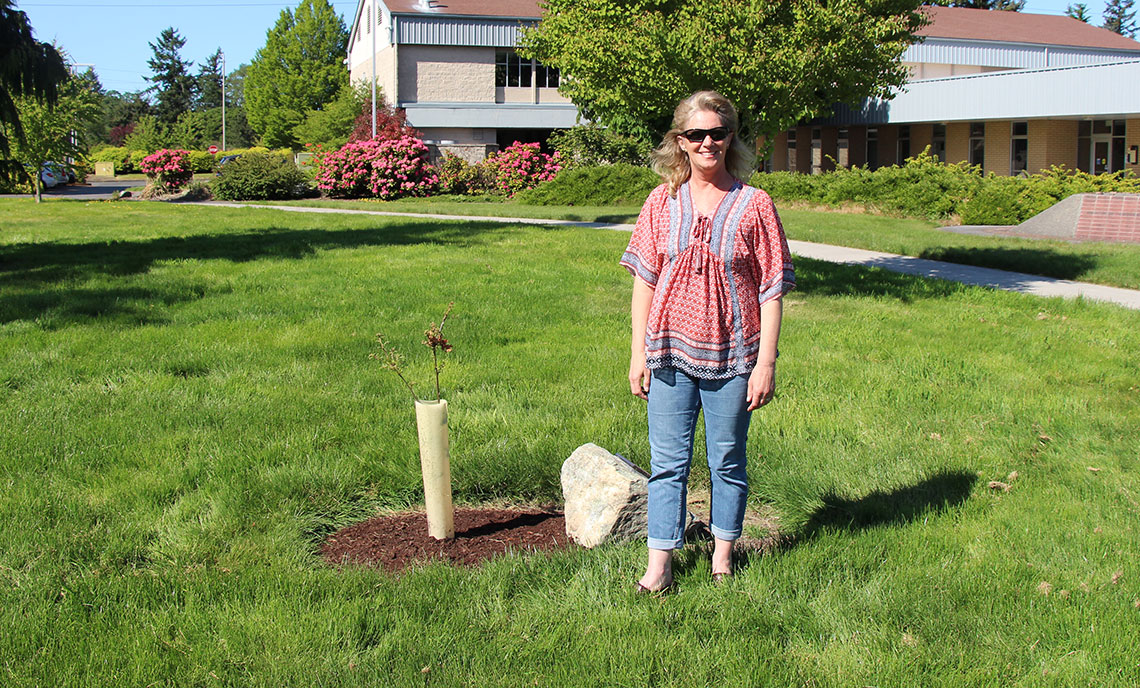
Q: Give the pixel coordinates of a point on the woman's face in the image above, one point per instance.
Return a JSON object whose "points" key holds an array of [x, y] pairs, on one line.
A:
{"points": [[706, 154]]}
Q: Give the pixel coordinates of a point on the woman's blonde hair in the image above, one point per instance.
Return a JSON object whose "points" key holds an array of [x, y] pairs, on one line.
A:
{"points": [[670, 160]]}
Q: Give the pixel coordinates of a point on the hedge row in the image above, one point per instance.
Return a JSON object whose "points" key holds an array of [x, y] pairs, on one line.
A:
{"points": [[201, 162], [925, 187]]}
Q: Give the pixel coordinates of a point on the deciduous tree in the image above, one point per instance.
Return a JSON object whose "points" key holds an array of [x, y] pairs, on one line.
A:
{"points": [[629, 63], [54, 132], [28, 69], [299, 69]]}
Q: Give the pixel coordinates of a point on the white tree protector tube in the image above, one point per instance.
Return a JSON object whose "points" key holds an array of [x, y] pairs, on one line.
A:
{"points": [[435, 462]]}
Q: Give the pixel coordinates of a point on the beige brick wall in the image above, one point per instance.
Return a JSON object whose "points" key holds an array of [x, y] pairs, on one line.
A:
{"points": [[957, 142], [921, 136], [446, 74], [1132, 138], [997, 147], [361, 72], [1052, 142]]}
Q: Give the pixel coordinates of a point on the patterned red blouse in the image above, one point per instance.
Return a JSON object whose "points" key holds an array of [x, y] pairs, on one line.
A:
{"points": [[710, 277]]}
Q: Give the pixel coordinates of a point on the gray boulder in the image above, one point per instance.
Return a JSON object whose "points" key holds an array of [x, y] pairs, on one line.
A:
{"points": [[605, 495]]}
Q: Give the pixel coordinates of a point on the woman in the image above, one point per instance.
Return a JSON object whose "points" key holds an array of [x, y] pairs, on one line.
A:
{"points": [[710, 265]]}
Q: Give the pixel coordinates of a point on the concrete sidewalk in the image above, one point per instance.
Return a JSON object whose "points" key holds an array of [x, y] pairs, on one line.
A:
{"points": [[966, 274]]}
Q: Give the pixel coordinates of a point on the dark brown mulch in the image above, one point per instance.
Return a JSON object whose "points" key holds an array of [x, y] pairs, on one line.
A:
{"points": [[397, 541]]}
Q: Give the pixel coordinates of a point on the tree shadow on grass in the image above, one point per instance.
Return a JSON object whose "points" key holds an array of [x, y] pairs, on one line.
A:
{"points": [[933, 496], [821, 278], [1034, 261], [51, 262], [47, 281]]}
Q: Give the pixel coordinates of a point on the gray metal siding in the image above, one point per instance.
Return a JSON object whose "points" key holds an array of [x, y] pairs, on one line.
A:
{"points": [[483, 33], [1090, 91], [490, 116], [1012, 55]]}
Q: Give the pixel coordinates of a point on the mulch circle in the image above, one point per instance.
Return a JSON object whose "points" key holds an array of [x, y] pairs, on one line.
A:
{"points": [[396, 541]]}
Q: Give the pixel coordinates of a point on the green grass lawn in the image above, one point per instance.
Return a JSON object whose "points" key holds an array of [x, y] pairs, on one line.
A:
{"points": [[188, 409], [1115, 265]]}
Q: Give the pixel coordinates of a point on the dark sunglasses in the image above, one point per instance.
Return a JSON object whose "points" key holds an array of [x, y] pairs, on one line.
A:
{"points": [[698, 135]]}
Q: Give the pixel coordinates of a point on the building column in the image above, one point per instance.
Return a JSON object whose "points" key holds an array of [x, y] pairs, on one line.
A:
{"points": [[1052, 142], [857, 146], [921, 136], [888, 144], [957, 142], [803, 150], [780, 152], [998, 135], [829, 148], [1132, 139]]}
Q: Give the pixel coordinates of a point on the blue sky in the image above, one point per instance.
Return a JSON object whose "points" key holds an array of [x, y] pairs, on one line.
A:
{"points": [[113, 35]]}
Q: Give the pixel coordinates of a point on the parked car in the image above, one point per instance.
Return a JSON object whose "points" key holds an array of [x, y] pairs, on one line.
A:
{"points": [[64, 174], [48, 179], [226, 159]]}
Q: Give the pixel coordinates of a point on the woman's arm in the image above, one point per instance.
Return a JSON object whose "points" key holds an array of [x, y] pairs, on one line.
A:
{"points": [[639, 315], [762, 381]]}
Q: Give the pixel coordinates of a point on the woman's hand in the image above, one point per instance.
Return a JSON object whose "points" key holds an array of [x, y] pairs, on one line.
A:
{"points": [[761, 385], [639, 377]]}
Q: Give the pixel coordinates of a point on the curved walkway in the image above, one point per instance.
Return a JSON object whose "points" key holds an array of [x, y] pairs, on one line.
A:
{"points": [[966, 274]]}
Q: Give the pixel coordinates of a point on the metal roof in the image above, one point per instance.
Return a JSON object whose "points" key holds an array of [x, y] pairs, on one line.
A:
{"points": [[1020, 27], [1062, 92]]}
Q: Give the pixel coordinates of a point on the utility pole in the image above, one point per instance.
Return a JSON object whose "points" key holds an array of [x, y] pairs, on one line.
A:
{"points": [[372, 30], [223, 102]]}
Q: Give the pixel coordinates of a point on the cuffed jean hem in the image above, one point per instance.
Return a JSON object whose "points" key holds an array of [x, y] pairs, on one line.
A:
{"points": [[656, 543], [721, 534]]}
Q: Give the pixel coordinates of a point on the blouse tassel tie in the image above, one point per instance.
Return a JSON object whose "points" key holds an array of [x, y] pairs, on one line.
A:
{"points": [[702, 233]]}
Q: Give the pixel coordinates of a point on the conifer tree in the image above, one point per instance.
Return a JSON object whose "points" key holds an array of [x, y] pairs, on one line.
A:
{"points": [[171, 82], [1120, 17], [1079, 11]]}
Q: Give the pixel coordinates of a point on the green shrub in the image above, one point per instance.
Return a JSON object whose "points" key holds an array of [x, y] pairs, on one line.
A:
{"points": [[120, 156], [925, 187], [201, 162], [587, 145], [620, 184], [260, 176], [457, 176]]}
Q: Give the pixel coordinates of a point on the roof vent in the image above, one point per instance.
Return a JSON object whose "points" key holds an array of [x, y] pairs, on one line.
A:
{"points": [[429, 5]]}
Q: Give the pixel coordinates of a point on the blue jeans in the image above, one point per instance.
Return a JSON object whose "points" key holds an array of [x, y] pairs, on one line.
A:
{"points": [[675, 399]]}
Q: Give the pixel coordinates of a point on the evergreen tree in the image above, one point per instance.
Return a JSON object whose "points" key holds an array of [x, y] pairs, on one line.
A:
{"points": [[1120, 17], [172, 84], [235, 87], [28, 69], [300, 68], [1080, 12], [209, 82]]}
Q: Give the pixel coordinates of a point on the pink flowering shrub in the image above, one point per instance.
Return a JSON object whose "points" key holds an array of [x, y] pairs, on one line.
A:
{"points": [[167, 169], [377, 168], [521, 166]]}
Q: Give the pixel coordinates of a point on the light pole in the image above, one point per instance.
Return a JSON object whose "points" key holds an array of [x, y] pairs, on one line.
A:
{"points": [[223, 102], [372, 30]]}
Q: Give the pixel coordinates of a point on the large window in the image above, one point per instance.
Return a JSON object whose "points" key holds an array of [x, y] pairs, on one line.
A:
{"points": [[1019, 148], [938, 142], [978, 144], [793, 162], [514, 70], [1100, 146], [902, 148]]}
